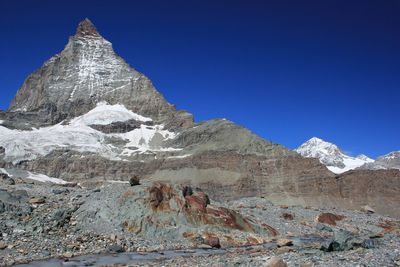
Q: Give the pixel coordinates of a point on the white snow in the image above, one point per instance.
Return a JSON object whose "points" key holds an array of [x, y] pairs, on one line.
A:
{"points": [[104, 114], [1, 121], [330, 155], [117, 182], [180, 156], [78, 136], [44, 178], [38, 177]]}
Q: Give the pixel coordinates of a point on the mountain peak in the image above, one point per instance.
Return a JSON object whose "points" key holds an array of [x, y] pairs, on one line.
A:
{"points": [[331, 155], [86, 28]]}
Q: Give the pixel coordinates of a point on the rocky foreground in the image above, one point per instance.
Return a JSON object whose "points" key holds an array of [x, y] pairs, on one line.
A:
{"points": [[144, 223]]}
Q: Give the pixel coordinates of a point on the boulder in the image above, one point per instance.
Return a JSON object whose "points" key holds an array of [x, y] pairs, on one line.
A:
{"points": [[329, 218], [134, 181], [276, 262]]}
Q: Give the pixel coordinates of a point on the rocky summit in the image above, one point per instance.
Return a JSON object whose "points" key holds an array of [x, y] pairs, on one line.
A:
{"points": [[94, 160]]}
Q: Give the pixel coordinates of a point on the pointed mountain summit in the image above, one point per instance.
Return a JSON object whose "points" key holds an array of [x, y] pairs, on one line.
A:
{"points": [[85, 73], [86, 28], [331, 155]]}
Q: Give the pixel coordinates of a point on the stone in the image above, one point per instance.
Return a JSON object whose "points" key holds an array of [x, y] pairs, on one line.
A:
{"points": [[60, 191], [287, 216], [323, 227], [3, 245], [115, 249], [212, 241], [329, 218], [344, 240], [68, 255], [37, 200], [367, 209], [134, 180], [276, 262], [284, 242]]}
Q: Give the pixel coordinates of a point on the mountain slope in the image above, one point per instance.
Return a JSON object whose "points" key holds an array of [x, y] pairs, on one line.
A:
{"points": [[85, 73], [388, 161], [331, 156]]}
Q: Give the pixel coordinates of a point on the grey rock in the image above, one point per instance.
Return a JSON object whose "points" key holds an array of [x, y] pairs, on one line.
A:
{"points": [[14, 202], [344, 240], [60, 191], [115, 249]]}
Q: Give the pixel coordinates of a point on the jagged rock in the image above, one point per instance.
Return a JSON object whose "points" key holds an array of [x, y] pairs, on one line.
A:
{"points": [[345, 240]]}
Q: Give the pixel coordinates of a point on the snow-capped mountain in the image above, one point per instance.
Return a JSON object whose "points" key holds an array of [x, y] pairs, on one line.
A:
{"points": [[330, 155], [388, 161]]}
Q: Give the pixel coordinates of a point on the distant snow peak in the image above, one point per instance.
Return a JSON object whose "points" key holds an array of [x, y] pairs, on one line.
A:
{"points": [[330, 155]]}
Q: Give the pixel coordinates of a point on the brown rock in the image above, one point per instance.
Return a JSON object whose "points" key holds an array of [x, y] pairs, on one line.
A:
{"points": [[3, 245], [329, 218], [284, 242], [37, 200], [276, 262], [212, 241], [134, 181]]}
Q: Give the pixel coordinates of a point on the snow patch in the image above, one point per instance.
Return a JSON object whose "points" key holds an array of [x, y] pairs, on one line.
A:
{"points": [[45, 179], [180, 156], [104, 114], [78, 136]]}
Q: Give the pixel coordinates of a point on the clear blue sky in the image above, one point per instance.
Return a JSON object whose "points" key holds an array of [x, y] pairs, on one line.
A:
{"points": [[287, 70]]}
